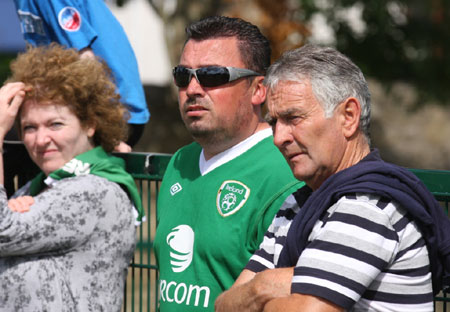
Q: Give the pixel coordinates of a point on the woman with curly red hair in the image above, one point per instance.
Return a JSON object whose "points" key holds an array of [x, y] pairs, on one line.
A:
{"points": [[70, 249]]}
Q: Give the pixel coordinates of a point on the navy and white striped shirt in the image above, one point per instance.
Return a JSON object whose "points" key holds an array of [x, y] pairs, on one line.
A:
{"points": [[364, 254]]}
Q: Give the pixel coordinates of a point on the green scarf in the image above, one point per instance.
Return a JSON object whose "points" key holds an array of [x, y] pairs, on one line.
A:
{"points": [[97, 162]]}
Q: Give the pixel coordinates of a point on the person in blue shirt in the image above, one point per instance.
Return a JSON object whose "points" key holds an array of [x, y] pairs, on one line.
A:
{"points": [[91, 28]]}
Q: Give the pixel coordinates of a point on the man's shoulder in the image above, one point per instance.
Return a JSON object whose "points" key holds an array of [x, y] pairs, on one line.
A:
{"points": [[189, 147], [265, 151], [371, 206], [186, 160], [266, 156], [187, 153]]}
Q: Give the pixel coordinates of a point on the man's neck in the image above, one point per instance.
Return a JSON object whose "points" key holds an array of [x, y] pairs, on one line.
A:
{"points": [[355, 151], [214, 148], [358, 149]]}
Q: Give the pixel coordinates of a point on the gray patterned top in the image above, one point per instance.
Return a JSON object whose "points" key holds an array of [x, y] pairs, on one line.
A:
{"points": [[71, 251]]}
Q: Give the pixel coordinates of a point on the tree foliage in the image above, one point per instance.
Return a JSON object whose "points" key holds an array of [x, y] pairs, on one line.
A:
{"points": [[393, 40], [401, 40]]}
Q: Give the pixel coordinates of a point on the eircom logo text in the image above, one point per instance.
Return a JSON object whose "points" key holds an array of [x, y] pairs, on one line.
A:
{"points": [[184, 294]]}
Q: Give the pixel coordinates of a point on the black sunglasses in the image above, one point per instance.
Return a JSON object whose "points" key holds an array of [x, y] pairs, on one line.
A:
{"points": [[210, 76]]}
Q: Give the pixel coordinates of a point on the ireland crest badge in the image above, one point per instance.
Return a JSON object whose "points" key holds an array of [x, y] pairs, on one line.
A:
{"points": [[231, 196]]}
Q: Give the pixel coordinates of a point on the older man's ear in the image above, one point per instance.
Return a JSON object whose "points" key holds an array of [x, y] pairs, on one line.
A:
{"points": [[350, 112]]}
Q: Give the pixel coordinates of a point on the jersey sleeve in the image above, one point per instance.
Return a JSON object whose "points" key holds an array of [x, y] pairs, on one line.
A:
{"points": [[68, 23]]}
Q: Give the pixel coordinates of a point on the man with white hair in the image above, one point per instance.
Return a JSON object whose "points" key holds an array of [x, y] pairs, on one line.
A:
{"points": [[362, 234]]}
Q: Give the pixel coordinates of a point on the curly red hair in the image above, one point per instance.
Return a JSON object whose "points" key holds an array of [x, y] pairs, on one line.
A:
{"points": [[58, 75]]}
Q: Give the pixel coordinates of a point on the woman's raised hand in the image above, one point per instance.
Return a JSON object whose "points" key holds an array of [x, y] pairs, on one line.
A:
{"points": [[11, 97]]}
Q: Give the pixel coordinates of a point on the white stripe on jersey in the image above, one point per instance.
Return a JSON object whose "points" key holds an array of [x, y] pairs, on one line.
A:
{"points": [[327, 284], [263, 261], [339, 264]]}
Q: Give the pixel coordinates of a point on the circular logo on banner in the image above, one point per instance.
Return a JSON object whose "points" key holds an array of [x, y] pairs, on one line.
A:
{"points": [[69, 19]]}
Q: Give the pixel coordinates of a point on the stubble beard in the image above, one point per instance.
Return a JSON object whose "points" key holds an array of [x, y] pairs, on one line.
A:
{"points": [[205, 135], [211, 131]]}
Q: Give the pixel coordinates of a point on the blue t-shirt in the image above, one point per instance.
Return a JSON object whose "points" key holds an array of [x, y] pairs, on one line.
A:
{"points": [[88, 23]]}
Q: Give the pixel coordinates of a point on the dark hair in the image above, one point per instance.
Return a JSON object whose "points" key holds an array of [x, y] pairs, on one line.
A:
{"points": [[57, 75], [253, 46]]}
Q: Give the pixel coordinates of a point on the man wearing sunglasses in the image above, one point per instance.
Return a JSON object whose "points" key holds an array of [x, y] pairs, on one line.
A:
{"points": [[220, 193]]}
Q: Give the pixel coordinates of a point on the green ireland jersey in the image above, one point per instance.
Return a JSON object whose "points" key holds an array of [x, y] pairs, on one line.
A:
{"points": [[209, 225]]}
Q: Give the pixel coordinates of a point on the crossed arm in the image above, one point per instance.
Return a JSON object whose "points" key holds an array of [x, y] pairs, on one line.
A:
{"points": [[252, 291], [269, 291]]}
